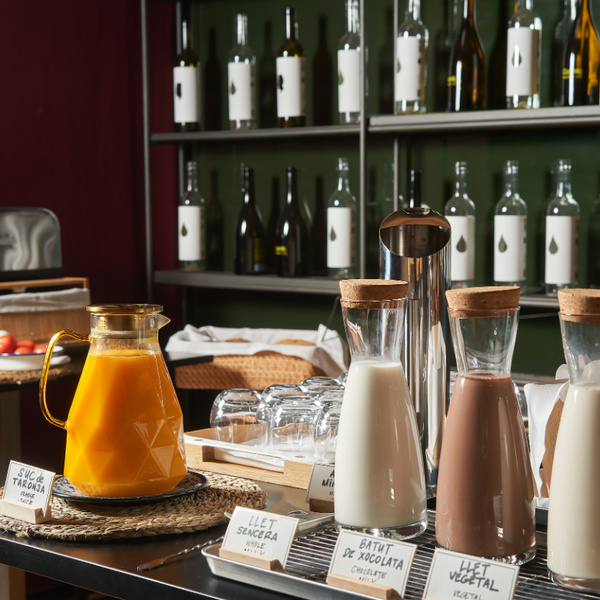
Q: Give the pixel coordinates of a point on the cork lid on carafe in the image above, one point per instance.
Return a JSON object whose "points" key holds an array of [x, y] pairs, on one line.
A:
{"points": [[485, 301], [372, 290], [580, 305]]}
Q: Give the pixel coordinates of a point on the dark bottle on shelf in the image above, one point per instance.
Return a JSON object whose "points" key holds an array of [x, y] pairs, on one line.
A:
{"points": [[581, 59], [186, 85], [414, 189], [593, 245], [274, 214], [291, 249], [249, 232], [466, 72], [212, 85], [561, 35], [291, 99]]}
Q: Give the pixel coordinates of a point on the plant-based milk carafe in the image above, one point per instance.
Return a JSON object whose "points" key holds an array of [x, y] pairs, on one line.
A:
{"points": [[125, 427], [379, 477], [573, 516], [485, 499]]}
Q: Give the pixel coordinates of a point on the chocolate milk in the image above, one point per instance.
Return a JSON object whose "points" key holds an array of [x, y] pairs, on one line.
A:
{"points": [[485, 501]]}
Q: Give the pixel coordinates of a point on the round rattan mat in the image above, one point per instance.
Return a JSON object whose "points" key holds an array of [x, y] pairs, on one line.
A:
{"points": [[183, 514]]}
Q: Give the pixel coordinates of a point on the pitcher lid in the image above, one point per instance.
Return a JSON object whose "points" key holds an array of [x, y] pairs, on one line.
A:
{"points": [[486, 299], [580, 304], [366, 290]]}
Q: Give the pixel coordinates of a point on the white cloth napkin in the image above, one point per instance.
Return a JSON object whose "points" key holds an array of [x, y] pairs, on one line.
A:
{"points": [[327, 352], [541, 398]]}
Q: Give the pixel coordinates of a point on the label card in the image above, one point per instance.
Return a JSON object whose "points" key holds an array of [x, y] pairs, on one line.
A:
{"points": [[28, 485], [262, 533], [454, 575], [375, 560], [321, 482]]}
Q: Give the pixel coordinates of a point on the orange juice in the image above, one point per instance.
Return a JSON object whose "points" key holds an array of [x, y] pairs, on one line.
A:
{"points": [[125, 427]]}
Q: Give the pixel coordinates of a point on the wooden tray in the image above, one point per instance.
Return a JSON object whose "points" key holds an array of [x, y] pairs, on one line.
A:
{"points": [[201, 456]]}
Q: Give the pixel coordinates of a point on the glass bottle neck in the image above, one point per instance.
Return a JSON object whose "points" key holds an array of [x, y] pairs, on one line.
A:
{"points": [[185, 36], [352, 17], [469, 11], [570, 9], [342, 173], [460, 179], [249, 186], [511, 178], [291, 25], [523, 5], [242, 29], [414, 9], [292, 186], [192, 177]]}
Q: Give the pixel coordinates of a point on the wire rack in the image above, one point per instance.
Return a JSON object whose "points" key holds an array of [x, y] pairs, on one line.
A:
{"points": [[311, 555]]}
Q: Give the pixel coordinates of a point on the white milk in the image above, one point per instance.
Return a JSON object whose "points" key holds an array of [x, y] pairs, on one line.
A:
{"points": [[379, 479], [573, 515]]}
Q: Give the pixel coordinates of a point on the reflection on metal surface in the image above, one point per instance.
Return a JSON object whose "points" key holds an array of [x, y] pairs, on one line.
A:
{"points": [[415, 247]]}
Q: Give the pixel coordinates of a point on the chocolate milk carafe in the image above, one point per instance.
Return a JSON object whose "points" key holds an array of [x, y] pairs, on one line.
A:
{"points": [[485, 500], [379, 480], [573, 516], [415, 247]]}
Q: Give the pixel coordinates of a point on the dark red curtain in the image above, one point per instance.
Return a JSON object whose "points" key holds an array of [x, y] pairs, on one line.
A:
{"points": [[71, 133]]}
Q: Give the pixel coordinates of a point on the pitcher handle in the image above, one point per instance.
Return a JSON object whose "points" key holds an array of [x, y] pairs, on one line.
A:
{"points": [[46, 368]]}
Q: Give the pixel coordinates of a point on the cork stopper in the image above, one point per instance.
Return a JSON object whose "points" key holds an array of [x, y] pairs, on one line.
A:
{"points": [[369, 290], [580, 305], [486, 300]]}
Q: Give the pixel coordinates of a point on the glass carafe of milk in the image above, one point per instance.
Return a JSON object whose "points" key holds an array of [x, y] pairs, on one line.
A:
{"points": [[379, 476], [573, 515], [485, 498]]}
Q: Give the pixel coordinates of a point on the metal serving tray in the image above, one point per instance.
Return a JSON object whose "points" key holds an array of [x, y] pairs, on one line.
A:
{"points": [[310, 555]]}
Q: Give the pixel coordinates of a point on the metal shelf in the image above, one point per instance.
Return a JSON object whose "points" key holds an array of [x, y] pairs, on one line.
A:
{"points": [[257, 283], [290, 133], [484, 120]]}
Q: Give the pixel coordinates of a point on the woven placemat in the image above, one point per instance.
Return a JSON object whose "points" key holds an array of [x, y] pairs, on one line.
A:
{"points": [[76, 521]]}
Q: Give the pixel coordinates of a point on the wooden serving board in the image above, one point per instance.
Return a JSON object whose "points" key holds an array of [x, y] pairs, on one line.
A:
{"points": [[202, 457]]}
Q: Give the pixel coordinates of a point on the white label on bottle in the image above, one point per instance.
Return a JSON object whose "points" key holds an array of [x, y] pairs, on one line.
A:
{"points": [[241, 91], [510, 248], [410, 69], [340, 237], [290, 86], [186, 94], [522, 61], [462, 258], [561, 250], [348, 81], [192, 227]]}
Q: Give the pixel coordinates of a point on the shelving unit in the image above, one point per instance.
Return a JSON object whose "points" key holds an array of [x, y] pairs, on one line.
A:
{"points": [[430, 141]]}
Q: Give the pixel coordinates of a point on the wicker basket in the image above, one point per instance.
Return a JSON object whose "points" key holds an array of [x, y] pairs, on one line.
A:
{"points": [[256, 371]]}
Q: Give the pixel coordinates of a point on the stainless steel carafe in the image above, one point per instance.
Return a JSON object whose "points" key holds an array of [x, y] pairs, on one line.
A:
{"points": [[414, 246]]}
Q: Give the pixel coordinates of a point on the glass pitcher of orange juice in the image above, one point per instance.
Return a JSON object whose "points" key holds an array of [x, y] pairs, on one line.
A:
{"points": [[125, 426]]}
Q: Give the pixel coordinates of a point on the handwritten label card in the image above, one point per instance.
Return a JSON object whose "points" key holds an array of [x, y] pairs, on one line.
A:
{"points": [[27, 492], [454, 575], [376, 560], [262, 533], [321, 482]]}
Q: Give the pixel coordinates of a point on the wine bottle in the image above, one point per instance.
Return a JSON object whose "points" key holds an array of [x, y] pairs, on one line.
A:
{"points": [[186, 85], [561, 239], [341, 227], [291, 100], [413, 196], [241, 73], [214, 227], [510, 231], [561, 34], [460, 212], [191, 217], [593, 245], [291, 249], [581, 59], [411, 64], [348, 57], [523, 57], [249, 232], [466, 72]]}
